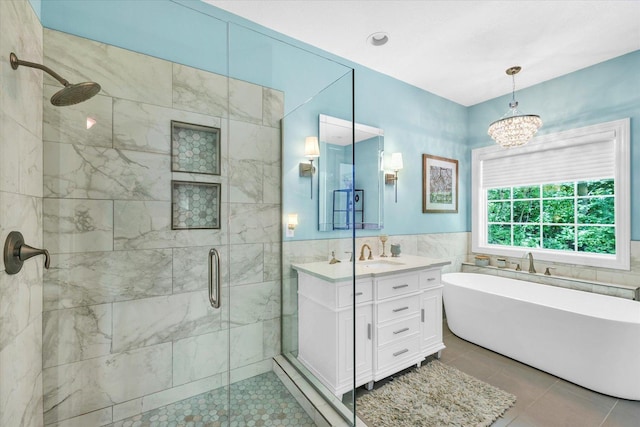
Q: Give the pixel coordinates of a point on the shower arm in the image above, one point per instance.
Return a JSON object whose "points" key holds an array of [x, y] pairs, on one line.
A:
{"points": [[15, 62]]}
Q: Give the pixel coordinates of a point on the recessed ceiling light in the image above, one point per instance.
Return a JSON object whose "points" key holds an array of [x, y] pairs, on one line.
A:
{"points": [[378, 39]]}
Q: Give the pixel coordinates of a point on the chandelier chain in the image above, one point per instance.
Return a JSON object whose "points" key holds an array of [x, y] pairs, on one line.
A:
{"points": [[513, 104]]}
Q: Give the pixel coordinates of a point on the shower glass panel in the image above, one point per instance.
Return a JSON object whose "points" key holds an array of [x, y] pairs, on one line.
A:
{"points": [[185, 154], [318, 342], [302, 85], [128, 329]]}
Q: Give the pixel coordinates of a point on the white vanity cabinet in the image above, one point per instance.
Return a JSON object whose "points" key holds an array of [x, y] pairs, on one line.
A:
{"points": [[398, 322], [325, 331], [431, 312]]}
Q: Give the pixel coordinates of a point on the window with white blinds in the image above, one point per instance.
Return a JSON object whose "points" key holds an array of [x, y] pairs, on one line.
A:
{"points": [[564, 197]]}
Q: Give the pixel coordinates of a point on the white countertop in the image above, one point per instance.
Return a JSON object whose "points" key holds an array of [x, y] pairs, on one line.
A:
{"points": [[369, 268]]}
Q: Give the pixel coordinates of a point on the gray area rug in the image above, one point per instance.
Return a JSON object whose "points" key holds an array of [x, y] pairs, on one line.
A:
{"points": [[433, 395]]}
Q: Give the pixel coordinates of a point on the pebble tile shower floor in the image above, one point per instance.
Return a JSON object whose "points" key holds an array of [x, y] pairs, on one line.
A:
{"points": [[259, 401]]}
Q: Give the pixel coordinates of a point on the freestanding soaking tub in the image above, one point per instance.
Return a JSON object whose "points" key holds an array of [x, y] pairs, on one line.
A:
{"points": [[589, 339]]}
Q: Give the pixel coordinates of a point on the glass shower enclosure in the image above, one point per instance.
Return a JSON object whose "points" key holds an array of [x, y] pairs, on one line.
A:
{"points": [[171, 290], [307, 329]]}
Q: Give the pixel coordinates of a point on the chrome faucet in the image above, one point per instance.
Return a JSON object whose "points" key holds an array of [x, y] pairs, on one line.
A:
{"points": [[531, 268], [362, 252]]}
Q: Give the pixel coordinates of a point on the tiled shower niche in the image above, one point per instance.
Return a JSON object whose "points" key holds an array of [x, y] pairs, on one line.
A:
{"points": [[195, 205], [195, 148]]}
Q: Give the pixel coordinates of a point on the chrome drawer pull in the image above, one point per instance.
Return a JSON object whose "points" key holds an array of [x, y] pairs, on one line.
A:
{"points": [[398, 353], [422, 315], [395, 310], [401, 331], [369, 330], [401, 286], [431, 279], [358, 294]]}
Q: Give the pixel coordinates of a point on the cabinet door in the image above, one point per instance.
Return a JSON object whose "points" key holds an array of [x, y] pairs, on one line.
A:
{"points": [[431, 318], [363, 345]]}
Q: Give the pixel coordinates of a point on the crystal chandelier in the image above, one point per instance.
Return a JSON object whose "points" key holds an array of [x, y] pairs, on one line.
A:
{"points": [[514, 129]]}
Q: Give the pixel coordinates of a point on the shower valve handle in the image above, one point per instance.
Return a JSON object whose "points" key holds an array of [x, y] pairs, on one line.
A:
{"points": [[25, 252], [16, 252]]}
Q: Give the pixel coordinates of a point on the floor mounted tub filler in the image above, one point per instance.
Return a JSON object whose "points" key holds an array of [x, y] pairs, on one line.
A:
{"points": [[589, 339]]}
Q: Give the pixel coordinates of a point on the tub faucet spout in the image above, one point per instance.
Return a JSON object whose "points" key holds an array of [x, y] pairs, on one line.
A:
{"points": [[362, 252], [531, 267]]}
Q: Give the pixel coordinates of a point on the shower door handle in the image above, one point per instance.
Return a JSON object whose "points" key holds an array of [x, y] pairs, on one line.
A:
{"points": [[214, 291]]}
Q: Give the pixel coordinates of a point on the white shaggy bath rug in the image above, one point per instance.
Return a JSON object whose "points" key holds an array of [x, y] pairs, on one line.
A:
{"points": [[433, 395]]}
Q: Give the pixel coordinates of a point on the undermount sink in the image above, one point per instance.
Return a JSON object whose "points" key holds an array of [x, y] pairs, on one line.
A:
{"points": [[380, 263]]}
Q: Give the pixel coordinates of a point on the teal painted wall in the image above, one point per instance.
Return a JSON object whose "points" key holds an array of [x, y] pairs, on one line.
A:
{"points": [[37, 7], [600, 93], [196, 34], [415, 122]]}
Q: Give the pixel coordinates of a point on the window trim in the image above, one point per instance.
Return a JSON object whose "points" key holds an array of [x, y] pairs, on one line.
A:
{"points": [[620, 129]]}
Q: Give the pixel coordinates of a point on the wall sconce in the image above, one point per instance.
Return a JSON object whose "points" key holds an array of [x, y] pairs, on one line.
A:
{"points": [[311, 151], [395, 165], [292, 222]]}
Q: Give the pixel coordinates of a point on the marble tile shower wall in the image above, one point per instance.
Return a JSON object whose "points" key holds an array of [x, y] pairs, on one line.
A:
{"points": [[21, 210], [127, 322]]}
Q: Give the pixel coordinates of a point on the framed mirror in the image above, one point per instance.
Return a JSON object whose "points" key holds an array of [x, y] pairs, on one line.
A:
{"points": [[340, 189]]}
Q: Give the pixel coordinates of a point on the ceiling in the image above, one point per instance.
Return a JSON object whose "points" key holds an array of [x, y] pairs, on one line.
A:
{"points": [[458, 50]]}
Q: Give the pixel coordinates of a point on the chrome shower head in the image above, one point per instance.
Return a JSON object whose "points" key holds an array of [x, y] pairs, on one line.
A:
{"points": [[71, 93]]}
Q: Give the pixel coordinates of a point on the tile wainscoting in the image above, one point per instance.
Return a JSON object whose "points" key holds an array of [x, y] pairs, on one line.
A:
{"points": [[620, 283], [454, 247], [612, 289]]}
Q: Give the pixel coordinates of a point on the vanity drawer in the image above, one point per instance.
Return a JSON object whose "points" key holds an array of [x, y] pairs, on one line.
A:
{"points": [[364, 293], [398, 330], [397, 352], [399, 308], [398, 285], [429, 278]]}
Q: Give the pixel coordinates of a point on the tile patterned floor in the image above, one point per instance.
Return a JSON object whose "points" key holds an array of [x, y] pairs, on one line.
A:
{"points": [[259, 401], [543, 399]]}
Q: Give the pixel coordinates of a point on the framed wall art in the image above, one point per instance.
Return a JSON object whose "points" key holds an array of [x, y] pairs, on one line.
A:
{"points": [[439, 184]]}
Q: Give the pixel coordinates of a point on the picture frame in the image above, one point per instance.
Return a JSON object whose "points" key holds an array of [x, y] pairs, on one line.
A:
{"points": [[439, 184]]}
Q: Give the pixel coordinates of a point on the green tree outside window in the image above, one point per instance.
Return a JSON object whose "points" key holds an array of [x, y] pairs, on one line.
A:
{"points": [[567, 216]]}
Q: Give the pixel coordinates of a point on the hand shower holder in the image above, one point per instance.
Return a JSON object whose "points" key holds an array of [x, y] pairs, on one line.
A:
{"points": [[16, 252]]}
